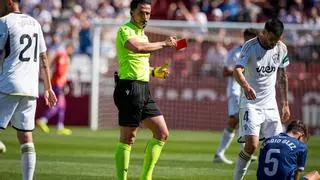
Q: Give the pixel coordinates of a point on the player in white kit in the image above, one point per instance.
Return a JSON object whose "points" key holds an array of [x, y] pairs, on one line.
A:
{"points": [[233, 94], [22, 55], [260, 61]]}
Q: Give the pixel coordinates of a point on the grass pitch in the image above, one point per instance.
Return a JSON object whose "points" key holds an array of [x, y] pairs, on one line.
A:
{"points": [[88, 155]]}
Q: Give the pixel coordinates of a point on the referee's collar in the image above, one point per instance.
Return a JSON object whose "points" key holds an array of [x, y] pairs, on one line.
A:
{"points": [[135, 27]]}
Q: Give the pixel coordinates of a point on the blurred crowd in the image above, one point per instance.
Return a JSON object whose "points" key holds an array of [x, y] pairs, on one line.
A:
{"points": [[71, 20], [289, 11]]}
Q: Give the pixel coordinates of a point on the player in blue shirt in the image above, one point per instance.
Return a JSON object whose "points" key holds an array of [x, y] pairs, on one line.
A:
{"points": [[284, 156]]}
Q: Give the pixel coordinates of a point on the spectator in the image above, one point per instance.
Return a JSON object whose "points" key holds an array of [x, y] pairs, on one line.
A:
{"points": [[229, 9], [205, 6], [248, 11], [314, 18], [194, 17], [85, 42], [215, 60], [44, 17], [294, 16], [53, 6], [105, 10]]}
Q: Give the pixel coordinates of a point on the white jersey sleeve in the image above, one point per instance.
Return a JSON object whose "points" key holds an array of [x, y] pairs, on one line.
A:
{"points": [[233, 88], [283, 55], [42, 43], [20, 65], [245, 53]]}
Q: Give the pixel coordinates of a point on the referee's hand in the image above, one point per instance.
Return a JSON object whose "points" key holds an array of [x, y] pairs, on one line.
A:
{"points": [[171, 42], [162, 71]]}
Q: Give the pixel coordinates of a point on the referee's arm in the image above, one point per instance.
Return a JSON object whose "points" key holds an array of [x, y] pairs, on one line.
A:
{"points": [[146, 47]]}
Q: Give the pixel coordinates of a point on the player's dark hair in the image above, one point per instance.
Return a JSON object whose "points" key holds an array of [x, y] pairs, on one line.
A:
{"points": [[275, 26], [298, 126], [250, 33], [135, 3]]}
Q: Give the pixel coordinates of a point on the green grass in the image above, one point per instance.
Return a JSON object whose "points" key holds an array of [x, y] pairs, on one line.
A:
{"points": [[87, 155]]}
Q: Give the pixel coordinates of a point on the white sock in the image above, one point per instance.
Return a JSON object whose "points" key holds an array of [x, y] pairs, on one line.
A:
{"points": [[44, 119], [241, 146], [225, 141], [242, 165], [60, 126], [28, 160]]}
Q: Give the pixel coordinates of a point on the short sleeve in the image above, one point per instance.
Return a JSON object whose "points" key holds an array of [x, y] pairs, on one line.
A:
{"points": [[244, 55], [125, 33], [3, 36], [302, 158], [230, 59], [283, 56], [42, 43]]}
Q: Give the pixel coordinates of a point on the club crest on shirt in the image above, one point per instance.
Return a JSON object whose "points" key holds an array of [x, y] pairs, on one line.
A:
{"points": [[276, 58]]}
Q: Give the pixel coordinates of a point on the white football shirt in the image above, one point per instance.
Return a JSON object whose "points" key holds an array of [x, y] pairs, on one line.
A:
{"points": [[21, 42], [260, 70], [233, 89]]}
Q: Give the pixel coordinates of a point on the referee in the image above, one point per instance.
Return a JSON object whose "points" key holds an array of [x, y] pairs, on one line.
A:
{"points": [[132, 95]]}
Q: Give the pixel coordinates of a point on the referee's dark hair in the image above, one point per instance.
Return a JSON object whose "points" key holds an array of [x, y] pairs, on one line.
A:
{"points": [[275, 26], [135, 3], [298, 126]]}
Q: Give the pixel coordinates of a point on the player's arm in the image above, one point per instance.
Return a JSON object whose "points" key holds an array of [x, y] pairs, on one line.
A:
{"points": [[283, 84], [297, 174], [227, 71], [45, 71], [50, 97], [3, 39], [248, 90], [229, 67], [147, 47]]}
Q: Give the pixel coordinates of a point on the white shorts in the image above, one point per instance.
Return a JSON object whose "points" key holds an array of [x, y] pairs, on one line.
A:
{"points": [[262, 123], [18, 110], [233, 105]]}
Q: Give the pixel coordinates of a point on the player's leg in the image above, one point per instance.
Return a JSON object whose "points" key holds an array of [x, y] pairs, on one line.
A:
{"points": [[61, 130], [23, 122], [272, 125], [49, 113], [313, 175], [249, 128], [123, 150], [28, 154], [3, 148], [229, 132], [154, 147], [226, 140], [7, 108]]}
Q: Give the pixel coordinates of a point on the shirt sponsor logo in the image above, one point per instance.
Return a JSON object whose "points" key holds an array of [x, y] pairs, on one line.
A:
{"points": [[265, 69]]}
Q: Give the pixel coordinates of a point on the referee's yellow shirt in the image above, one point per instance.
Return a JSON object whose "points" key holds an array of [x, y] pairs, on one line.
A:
{"points": [[132, 66]]}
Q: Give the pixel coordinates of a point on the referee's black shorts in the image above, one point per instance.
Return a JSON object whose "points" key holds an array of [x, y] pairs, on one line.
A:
{"points": [[134, 102]]}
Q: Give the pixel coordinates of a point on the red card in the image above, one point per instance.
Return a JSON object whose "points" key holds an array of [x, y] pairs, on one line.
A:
{"points": [[181, 43]]}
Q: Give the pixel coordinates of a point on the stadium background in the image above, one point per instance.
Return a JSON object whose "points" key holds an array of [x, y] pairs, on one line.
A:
{"points": [[194, 96]]}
